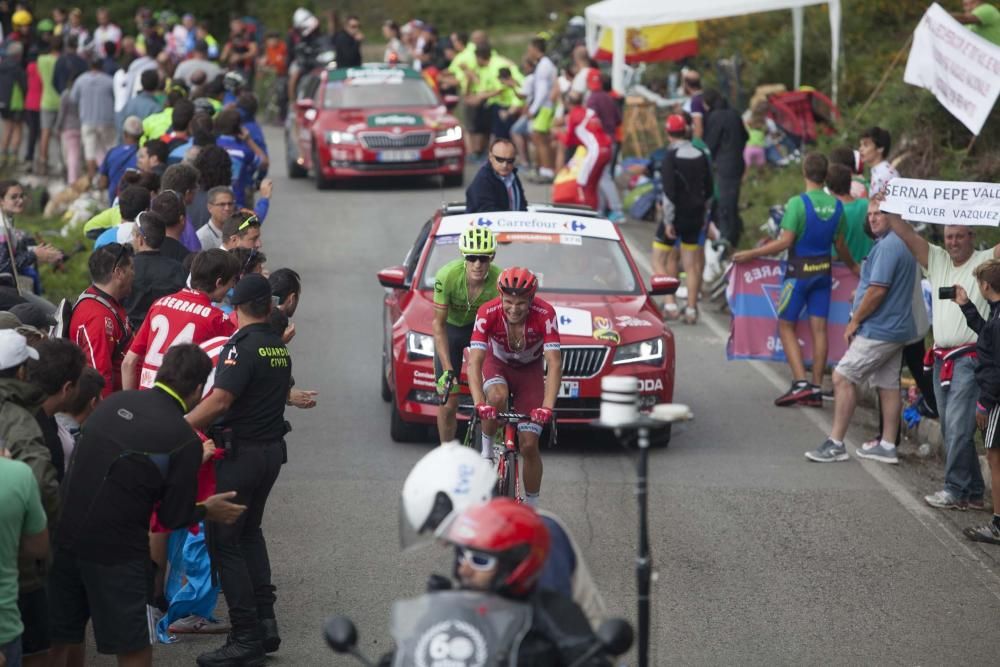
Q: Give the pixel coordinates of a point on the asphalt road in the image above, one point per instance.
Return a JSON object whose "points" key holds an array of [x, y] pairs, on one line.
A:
{"points": [[762, 558]]}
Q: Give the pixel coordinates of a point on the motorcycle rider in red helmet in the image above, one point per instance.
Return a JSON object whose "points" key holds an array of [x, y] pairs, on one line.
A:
{"points": [[511, 337], [500, 547]]}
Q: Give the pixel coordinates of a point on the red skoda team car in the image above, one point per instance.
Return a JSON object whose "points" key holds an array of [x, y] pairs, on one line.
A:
{"points": [[374, 120], [608, 323]]}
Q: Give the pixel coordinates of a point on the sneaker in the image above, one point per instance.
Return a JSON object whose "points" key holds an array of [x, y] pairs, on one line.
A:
{"points": [[814, 399], [943, 500], [978, 504], [828, 452], [985, 533], [690, 315], [671, 311], [877, 452], [198, 625], [795, 393], [617, 217]]}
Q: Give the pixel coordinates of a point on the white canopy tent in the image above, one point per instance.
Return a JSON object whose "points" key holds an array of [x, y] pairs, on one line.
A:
{"points": [[620, 15]]}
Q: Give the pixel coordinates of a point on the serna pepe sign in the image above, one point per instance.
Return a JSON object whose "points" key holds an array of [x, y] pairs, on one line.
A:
{"points": [[944, 202]]}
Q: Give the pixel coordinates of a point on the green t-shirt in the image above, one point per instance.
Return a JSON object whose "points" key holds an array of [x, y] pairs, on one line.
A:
{"points": [[857, 241], [989, 22], [46, 67], [794, 219], [21, 513], [156, 125], [452, 291], [106, 219]]}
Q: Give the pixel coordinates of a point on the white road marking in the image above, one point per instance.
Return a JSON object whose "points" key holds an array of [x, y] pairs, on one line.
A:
{"points": [[926, 516]]}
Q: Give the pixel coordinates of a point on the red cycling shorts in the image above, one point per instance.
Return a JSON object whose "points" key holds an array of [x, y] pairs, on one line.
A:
{"points": [[526, 383]]}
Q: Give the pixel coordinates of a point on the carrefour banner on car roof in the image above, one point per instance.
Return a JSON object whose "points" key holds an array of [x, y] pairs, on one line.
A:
{"points": [[944, 202], [754, 292], [529, 222], [961, 68]]}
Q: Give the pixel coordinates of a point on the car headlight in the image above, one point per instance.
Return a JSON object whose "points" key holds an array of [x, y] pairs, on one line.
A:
{"points": [[419, 345], [644, 352], [451, 134], [340, 137]]}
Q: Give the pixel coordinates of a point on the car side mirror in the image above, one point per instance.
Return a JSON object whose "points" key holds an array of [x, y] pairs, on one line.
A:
{"points": [[393, 277], [305, 104], [450, 101], [615, 635], [661, 284]]}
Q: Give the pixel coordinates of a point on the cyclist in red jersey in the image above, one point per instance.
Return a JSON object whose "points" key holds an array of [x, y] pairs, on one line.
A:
{"points": [[512, 336], [187, 316]]}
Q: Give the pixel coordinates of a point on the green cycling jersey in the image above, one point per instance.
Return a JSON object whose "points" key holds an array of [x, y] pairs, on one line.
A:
{"points": [[451, 291]]}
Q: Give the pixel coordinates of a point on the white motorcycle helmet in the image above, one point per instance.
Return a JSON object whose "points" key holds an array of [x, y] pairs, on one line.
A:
{"points": [[440, 486], [304, 21]]}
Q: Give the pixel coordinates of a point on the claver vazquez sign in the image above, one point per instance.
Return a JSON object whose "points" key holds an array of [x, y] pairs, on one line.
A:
{"points": [[944, 202]]}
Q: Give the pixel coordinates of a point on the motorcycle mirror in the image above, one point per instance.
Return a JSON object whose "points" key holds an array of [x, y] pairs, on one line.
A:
{"points": [[615, 634], [341, 634]]}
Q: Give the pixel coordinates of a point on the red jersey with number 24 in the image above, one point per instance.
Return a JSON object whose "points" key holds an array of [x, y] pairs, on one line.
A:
{"points": [[187, 316], [491, 332]]}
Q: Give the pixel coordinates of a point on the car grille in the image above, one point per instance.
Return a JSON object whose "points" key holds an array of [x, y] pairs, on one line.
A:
{"points": [[379, 141], [583, 362], [391, 166]]}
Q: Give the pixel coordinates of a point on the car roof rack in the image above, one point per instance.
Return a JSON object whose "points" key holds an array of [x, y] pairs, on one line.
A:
{"points": [[458, 208]]}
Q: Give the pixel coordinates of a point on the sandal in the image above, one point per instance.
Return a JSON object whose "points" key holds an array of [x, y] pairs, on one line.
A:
{"points": [[690, 315], [671, 311]]}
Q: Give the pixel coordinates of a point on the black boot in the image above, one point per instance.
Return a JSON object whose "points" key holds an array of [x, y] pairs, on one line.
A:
{"points": [[269, 634], [242, 649]]}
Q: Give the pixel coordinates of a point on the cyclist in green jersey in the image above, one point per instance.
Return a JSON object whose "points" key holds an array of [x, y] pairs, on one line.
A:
{"points": [[460, 287]]}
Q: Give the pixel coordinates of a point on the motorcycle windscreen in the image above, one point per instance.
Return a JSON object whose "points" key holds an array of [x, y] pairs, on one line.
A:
{"points": [[458, 629]]}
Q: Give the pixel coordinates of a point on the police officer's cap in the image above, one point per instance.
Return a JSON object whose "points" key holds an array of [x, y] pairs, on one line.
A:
{"points": [[252, 287]]}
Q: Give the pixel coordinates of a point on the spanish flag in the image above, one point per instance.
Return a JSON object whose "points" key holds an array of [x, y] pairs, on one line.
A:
{"points": [[671, 41]]}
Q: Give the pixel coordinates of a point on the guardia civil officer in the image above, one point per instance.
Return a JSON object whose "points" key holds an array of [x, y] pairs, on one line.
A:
{"points": [[246, 413]]}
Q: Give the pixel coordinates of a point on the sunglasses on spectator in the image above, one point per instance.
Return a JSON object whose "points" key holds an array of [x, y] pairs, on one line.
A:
{"points": [[123, 249], [483, 259], [477, 560], [138, 225], [252, 220], [503, 160]]}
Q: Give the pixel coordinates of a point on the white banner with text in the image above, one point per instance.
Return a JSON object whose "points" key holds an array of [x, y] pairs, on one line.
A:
{"points": [[961, 68], [944, 202]]}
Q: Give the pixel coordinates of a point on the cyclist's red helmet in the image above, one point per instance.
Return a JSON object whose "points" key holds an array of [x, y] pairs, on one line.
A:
{"points": [[517, 281], [512, 532]]}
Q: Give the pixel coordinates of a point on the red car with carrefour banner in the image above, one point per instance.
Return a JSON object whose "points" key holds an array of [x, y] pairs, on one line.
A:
{"points": [[374, 120], [608, 323]]}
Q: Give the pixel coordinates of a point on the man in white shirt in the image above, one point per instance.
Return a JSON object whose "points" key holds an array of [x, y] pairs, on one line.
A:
{"points": [[874, 147], [541, 109], [954, 355], [105, 32], [221, 205]]}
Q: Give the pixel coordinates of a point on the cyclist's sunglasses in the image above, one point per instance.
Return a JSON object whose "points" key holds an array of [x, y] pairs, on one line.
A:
{"points": [[483, 259], [477, 560], [503, 160]]}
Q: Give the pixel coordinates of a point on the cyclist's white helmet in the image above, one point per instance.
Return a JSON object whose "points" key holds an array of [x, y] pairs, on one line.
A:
{"points": [[445, 482]]}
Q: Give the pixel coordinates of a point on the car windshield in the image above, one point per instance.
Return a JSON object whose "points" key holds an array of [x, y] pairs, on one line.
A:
{"points": [[363, 94], [563, 263]]}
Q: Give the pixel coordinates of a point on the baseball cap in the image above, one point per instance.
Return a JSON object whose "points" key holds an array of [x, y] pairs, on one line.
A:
{"points": [[594, 79], [251, 288], [676, 123], [132, 126], [33, 315], [14, 349], [8, 320]]}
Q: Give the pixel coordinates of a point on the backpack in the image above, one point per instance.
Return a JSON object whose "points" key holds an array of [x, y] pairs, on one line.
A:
{"points": [[64, 314]]}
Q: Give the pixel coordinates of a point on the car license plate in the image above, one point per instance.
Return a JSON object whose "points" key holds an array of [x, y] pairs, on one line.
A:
{"points": [[398, 156], [569, 389]]}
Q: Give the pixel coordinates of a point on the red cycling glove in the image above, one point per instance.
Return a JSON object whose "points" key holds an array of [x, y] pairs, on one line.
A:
{"points": [[541, 415], [486, 411]]}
